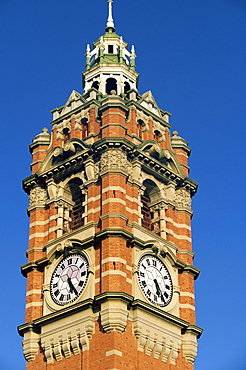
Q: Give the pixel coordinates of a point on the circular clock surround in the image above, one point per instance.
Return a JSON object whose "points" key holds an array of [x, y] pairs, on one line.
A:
{"points": [[69, 279], [155, 280]]}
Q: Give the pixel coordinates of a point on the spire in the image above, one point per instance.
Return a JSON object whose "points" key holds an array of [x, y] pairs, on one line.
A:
{"points": [[110, 21]]}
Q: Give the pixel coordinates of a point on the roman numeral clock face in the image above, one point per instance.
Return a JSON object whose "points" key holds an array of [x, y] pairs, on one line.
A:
{"points": [[69, 279], [154, 280]]}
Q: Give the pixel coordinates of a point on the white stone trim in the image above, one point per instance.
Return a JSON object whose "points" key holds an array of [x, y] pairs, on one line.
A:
{"points": [[113, 200], [114, 259], [134, 200], [132, 211], [42, 223], [187, 305], [33, 291], [113, 272], [114, 352], [34, 304], [94, 199], [179, 237], [42, 235], [187, 294], [180, 226], [118, 188], [94, 210]]}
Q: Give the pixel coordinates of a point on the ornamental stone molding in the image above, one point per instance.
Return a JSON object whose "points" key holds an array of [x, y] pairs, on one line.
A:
{"points": [[182, 198], [68, 339], [115, 159], [155, 337], [143, 117], [80, 117], [37, 197], [60, 127]]}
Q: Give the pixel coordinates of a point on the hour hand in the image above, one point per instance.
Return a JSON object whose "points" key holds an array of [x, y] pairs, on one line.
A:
{"points": [[71, 286]]}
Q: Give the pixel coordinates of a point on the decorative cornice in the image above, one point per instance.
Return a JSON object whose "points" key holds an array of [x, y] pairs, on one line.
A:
{"points": [[54, 316]]}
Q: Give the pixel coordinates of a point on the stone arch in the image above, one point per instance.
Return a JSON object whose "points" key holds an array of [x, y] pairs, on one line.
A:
{"points": [[73, 192], [111, 84], [151, 195]]}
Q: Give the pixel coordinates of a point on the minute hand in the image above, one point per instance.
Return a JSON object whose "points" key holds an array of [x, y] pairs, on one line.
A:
{"points": [[158, 290]]}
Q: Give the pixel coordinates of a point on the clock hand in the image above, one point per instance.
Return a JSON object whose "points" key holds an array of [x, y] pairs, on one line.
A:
{"points": [[71, 286], [158, 291]]}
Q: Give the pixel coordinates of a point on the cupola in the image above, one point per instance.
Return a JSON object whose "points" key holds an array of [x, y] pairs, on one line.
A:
{"points": [[110, 66]]}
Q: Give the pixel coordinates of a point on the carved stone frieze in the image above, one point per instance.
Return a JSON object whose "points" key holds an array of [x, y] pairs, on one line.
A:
{"points": [[115, 159], [37, 197], [182, 198]]}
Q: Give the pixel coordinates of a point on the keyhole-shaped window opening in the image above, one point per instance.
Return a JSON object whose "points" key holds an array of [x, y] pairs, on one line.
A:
{"points": [[66, 134], [140, 126], [84, 127], [95, 85], [111, 84], [111, 49], [146, 213], [157, 135], [76, 216], [127, 87], [150, 220]]}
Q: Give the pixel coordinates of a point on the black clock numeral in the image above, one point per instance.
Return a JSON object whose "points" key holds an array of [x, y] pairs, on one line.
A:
{"points": [[61, 297], [82, 265], [62, 266], [83, 273], [68, 297], [56, 293], [166, 277], [81, 283], [57, 275], [148, 261], [70, 261], [154, 263], [144, 283], [76, 261], [168, 287], [160, 268], [143, 266], [55, 285], [166, 295], [148, 292], [142, 274]]}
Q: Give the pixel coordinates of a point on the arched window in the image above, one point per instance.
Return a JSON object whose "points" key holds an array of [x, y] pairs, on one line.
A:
{"points": [[140, 126], [84, 127], [127, 87], [95, 85], [111, 84], [150, 217], [73, 192], [157, 135]]}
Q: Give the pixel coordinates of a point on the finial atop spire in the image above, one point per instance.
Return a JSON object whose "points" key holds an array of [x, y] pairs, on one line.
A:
{"points": [[110, 21]]}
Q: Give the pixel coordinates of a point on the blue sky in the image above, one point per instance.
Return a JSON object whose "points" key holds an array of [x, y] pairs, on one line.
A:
{"points": [[191, 55]]}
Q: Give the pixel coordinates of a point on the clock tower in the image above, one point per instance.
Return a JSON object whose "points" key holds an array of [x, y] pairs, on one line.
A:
{"points": [[110, 275]]}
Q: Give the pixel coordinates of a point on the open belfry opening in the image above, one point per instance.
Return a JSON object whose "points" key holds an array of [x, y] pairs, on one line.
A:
{"points": [[110, 275]]}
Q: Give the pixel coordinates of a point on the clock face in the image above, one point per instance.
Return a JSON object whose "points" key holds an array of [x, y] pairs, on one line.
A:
{"points": [[69, 279], [154, 280]]}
